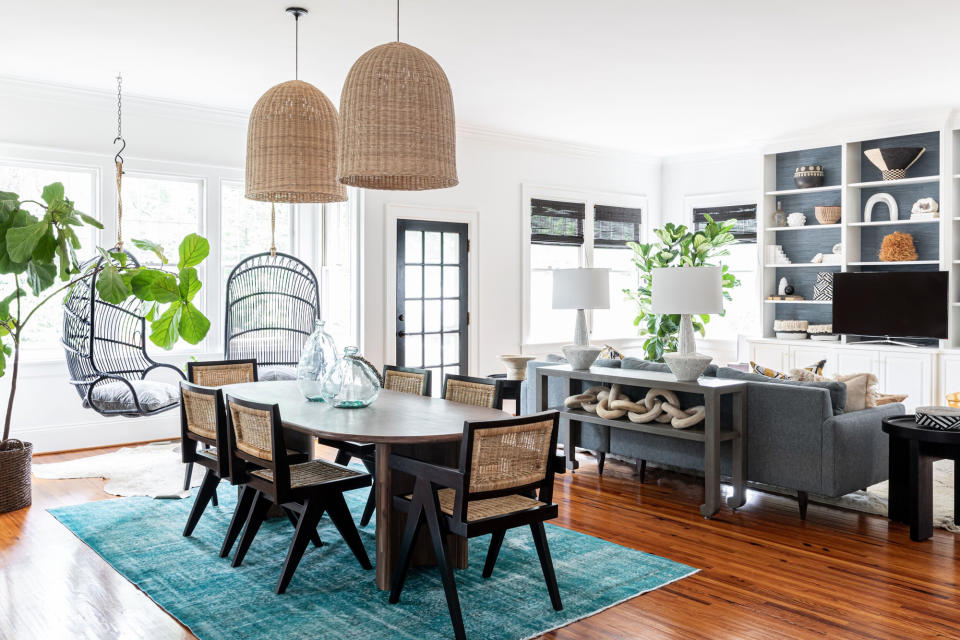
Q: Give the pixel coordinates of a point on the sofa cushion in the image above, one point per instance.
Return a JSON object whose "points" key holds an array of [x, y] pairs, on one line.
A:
{"points": [[838, 390], [646, 365], [612, 363]]}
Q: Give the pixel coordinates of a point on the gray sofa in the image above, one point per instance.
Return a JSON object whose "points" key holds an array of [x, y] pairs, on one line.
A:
{"points": [[798, 436]]}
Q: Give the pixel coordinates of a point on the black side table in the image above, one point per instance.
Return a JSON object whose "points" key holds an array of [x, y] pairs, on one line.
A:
{"points": [[509, 389], [913, 450]]}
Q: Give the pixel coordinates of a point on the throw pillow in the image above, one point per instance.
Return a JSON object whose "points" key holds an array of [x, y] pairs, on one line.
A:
{"points": [[609, 353], [890, 398], [816, 368], [837, 390], [861, 387]]}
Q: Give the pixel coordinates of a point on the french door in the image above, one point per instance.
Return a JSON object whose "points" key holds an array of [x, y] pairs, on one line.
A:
{"points": [[432, 301]]}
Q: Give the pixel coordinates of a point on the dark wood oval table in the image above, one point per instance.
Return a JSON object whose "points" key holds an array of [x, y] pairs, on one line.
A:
{"points": [[425, 428]]}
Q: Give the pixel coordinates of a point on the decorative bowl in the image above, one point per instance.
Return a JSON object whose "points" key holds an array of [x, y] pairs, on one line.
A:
{"points": [[808, 176], [893, 162], [580, 358], [796, 219], [516, 365], [827, 215]]}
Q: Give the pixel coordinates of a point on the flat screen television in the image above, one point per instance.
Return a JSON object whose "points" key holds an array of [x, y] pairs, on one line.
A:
{"points": [[891, 304]]}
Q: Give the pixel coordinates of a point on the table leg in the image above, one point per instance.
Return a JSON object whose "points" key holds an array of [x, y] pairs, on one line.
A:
{"points": [[956, 492], [921, 493], [899, 500], [384, 488], [568, 432], [711, 456], [739, 497]]}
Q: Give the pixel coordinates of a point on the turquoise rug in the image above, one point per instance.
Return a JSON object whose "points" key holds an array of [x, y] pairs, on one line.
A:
{"points": [[330, 596]]}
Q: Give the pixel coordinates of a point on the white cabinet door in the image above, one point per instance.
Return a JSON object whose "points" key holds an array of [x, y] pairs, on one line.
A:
{"points": [[772, 356], [801, 357], [857, 361], [910, 374], [949, 377]]}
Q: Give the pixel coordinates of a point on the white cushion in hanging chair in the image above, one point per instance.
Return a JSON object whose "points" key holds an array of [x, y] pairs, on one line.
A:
{"points": [[116, 396], [267, 374]]}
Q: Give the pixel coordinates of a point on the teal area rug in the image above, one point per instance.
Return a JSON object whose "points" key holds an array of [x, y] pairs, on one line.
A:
{"points": [[330, 596]]}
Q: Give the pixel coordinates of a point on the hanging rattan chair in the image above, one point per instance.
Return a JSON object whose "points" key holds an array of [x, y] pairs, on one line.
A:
{"points": [[273, 302], [105, 346]]}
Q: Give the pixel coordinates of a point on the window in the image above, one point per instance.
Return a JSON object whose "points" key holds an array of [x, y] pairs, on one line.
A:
{"points": [[245, 227], [573, 233], [741, 317], [338, 276], [28, 181], [162, 210]]}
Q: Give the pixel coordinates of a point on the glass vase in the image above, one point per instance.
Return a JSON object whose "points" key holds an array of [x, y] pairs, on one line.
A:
{"points": [[316, 360], [350, 383]]}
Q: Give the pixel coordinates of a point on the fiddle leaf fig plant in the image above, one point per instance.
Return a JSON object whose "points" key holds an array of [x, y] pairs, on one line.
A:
{"points": [[677, 246], [37, 251]]}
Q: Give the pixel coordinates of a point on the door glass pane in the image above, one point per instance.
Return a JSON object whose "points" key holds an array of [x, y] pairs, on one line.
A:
{"points": [[453, 371], [431, 315], [451, 248], [413, 250], [451, 282], [412, 316], [412, 353], [451, 348], [431, 247], [451, 315], [431, 349], [431, 282], [412, 282]]}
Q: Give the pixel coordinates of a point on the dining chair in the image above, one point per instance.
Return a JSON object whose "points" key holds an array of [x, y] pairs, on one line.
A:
{"points": [[403, 379], [258, 459], [480, 392], [505, 480], [216, 373]]}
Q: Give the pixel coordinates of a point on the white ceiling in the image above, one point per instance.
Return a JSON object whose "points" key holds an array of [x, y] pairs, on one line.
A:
{"points": [[661, 77]]}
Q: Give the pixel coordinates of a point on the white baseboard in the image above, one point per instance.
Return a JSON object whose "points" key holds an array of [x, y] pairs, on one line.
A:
{"points": [[104, 432]]}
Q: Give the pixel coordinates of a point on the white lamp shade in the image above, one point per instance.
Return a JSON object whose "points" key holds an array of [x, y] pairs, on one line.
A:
{"points": [[690, 290], [581, 289]]}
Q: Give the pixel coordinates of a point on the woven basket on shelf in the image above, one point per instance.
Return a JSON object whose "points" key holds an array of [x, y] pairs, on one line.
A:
{"points": [[15, 459], [827, 215]]}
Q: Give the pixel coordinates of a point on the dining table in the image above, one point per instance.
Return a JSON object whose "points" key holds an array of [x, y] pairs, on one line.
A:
{"points": [[421, 427]]}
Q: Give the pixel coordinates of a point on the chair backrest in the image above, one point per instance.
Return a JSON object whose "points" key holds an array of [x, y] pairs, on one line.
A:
{"points": [[272, 304], [203, 419], [480, 392], [509, 456], [407, 379], [255, 436], [216, 373]]}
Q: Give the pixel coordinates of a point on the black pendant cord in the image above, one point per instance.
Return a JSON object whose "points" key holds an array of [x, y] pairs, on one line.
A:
{"points": [[398, 20]]}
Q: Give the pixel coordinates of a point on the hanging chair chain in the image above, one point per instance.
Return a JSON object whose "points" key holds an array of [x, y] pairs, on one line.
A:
{"points": [[118, 161]]}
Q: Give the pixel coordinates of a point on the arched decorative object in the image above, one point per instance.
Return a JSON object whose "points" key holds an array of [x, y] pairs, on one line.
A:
{"points": [[886, 199]]}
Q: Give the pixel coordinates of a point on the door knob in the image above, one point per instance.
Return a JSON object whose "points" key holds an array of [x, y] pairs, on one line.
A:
{"points": [[400, 334]]}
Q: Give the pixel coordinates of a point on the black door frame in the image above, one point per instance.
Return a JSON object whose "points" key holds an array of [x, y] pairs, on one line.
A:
{"points": [[463, 229]]}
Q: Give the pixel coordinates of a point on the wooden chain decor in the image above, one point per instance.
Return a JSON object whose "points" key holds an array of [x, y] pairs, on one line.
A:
{"points": [[660, 405]]}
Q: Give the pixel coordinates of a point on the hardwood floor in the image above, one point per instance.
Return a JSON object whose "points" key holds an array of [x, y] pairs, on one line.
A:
{"points": [[764, 572]]}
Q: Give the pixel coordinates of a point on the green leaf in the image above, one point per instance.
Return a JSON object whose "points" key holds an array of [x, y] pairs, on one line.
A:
{"points": [[153, 247], [120, 257], [110, 285], [21, 241], [46, 248], [40, 275], [166, 329], [9, 202], [52, 193], [193, 250], [193, 324], [153, 284], [90, 220], [5, 303], [189, 284]]}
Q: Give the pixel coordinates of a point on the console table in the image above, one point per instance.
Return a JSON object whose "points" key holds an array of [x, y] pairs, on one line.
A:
{"points": [[709, 432]]}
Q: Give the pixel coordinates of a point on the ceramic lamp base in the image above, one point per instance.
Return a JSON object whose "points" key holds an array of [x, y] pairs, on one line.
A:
{"points": [[516, 365], [581, 357], [687, 367]]}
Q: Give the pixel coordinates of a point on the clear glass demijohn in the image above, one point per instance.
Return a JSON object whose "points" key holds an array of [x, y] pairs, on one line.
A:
{"points": [[317, 358], [350, 383]]}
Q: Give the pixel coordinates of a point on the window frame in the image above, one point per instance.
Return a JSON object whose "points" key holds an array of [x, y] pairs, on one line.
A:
{"points": [[589, 198]]}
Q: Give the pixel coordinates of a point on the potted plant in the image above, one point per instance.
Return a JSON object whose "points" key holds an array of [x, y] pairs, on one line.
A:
{"points": [[40, 251], [677, 247]]}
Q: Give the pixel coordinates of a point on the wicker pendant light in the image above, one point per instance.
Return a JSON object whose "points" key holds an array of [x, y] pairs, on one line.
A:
{"points": [[397, 126], [292, 143]]}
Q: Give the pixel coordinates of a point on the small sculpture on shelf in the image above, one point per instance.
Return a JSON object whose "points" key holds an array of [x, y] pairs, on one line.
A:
{"points": [[808, 176], [659, 405], [776, 255], [877, 198], [893, 162], [897, 247], [925, 209], [796, 219]]}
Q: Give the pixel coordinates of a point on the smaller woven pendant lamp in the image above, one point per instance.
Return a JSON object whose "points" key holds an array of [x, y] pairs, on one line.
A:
{"points": [[397, 127], [292, 144]]}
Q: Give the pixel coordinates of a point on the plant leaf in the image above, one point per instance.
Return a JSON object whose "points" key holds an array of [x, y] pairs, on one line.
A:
{"points": [[21, 241], [90, 220], [153, 284], [52, 193], [40, 275], [193, 250], [165, 329], [189, 284], [46, 247], [152, 247], [193, 324], [110, 285]]}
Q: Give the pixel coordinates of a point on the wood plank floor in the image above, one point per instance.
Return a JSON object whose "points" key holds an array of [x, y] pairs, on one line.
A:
{"points": [[764, 572]]}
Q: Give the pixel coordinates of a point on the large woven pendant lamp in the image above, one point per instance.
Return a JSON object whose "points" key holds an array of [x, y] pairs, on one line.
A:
{"points": [[397, 127], [292, 142]]}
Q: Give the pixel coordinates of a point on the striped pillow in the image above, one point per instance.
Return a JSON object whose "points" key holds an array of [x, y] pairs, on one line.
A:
{"points": [[816, 368]]}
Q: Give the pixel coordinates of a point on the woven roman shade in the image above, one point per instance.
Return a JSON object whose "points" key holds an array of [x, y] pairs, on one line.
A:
{"points": [[553, 222], [745, 215], [292, 146], [615, 226], [397, 126]]}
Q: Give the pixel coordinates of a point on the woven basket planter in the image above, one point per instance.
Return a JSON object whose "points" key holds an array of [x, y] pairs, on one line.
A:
{"points": [[15, 459]]}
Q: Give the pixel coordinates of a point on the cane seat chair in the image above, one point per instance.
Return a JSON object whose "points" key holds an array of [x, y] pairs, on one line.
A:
{"points": [[272, 304], [106, 352], [259, 460], [480, 392], [505, 480]]}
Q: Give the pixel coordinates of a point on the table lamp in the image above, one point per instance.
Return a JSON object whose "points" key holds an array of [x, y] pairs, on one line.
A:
{"points": [[687, 291], [581, 289]]}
